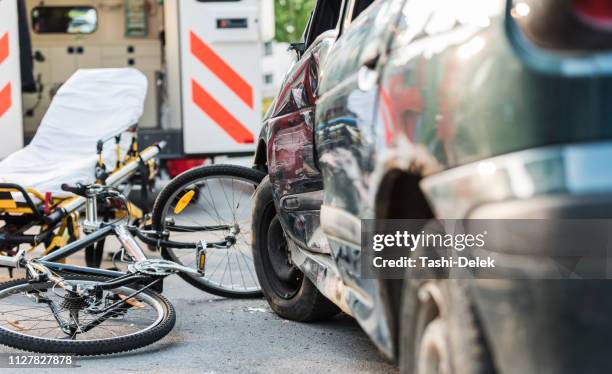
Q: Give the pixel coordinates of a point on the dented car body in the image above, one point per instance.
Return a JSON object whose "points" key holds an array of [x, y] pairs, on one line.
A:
{"points": [[445, 109]]}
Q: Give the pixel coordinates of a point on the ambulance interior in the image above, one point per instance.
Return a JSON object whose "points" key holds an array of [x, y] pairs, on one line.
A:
{"points": [[67, 35]]}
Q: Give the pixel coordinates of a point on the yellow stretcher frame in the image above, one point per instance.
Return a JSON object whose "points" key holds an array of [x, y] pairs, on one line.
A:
{"points": [[55, 220]]}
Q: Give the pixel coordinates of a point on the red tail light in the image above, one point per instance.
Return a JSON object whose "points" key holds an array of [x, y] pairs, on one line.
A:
{"points": [[574, 26], [597, 13]]}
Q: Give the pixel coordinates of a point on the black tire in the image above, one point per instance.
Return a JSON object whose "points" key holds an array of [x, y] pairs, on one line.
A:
{"points": [[297, 300], [440, 331], [178, 184], [89, 347], [93, 254]]}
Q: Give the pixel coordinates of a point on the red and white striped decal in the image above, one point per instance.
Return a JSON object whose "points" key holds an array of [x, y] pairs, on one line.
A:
{"points": [[11, 120], [232, 80], [4, 47], [5, 87], [220, 115]]}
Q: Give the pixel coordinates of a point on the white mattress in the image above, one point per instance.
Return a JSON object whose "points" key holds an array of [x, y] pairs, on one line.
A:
{"points": [[92, 104]]}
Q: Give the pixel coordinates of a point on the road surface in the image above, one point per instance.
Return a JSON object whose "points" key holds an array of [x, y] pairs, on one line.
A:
{"points": [[216, 335]]}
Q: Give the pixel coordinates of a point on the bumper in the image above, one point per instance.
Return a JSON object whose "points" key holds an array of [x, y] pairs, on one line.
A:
{"points": [[573, 171]]}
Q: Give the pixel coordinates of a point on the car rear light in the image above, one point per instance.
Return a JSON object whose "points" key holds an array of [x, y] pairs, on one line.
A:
{"points": [[568, 26], [597, 13]]}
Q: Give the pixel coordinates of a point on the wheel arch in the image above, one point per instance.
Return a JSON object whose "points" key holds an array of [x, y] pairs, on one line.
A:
{"points": [[399, 196], [261, 157]]}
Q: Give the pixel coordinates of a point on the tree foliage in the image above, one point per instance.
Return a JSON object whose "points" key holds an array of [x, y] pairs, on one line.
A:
{"points": [[291, 18]]}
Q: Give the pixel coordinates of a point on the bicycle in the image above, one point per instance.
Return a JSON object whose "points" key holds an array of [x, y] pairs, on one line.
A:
{"points": [[210, 203], [64, 308]]}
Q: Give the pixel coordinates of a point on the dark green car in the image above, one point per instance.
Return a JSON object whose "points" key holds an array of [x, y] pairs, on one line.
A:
{"points": [[441, 109]]}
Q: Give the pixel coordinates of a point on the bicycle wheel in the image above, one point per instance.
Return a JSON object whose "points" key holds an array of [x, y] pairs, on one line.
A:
{"points": [[212, 203], [30, 315]]}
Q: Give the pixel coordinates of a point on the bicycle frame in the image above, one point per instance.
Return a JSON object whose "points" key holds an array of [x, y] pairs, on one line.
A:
{"points": [[119, 231], [123, 233], [49, 261]]}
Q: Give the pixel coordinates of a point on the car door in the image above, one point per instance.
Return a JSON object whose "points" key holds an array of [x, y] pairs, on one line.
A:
{"points": [[346, 135], [297, 183], [346, 117]]}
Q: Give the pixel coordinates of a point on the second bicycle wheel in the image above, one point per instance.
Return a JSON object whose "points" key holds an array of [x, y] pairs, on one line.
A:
{"points": [[212, 203], [43, 317]]}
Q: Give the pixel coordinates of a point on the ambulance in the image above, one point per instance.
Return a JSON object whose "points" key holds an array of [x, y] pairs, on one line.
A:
{"points": [[202, 59]]}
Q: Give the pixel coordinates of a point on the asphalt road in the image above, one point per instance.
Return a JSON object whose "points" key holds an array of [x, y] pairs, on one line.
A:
{"points": [[217, 335]]}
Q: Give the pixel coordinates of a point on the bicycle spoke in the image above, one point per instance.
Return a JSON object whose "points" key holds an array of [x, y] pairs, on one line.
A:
{"points": [[240, 270]]}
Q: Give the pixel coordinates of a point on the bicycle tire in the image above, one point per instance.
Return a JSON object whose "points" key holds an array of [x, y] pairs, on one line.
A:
{"points": [[178, 184], [94, 253], [94, 347]]}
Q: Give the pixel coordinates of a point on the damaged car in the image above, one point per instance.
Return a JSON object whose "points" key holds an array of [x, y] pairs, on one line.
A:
{"points": [[419, 109]]}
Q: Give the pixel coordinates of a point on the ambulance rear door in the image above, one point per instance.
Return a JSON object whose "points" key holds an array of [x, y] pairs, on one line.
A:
{"points": [[220, 60]]}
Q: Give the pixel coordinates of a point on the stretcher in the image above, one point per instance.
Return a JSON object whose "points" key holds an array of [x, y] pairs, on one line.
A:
{"points": [[93, 108]]}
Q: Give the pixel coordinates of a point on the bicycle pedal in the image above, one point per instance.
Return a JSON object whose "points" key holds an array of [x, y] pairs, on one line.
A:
{"points": [[201, 259]]}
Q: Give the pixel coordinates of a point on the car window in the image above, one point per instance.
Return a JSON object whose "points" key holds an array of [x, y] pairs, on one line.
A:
{"points": [[325, 17], [354, 9], [305, 33], [360, 6], [361, 41], [64, 19]]}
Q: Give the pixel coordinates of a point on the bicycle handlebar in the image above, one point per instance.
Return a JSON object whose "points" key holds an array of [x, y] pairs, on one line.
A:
{"points": [[78, 189]]}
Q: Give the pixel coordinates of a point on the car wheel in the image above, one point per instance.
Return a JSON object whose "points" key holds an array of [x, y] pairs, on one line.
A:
{"points": [[290, 294], [440, 332]]}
